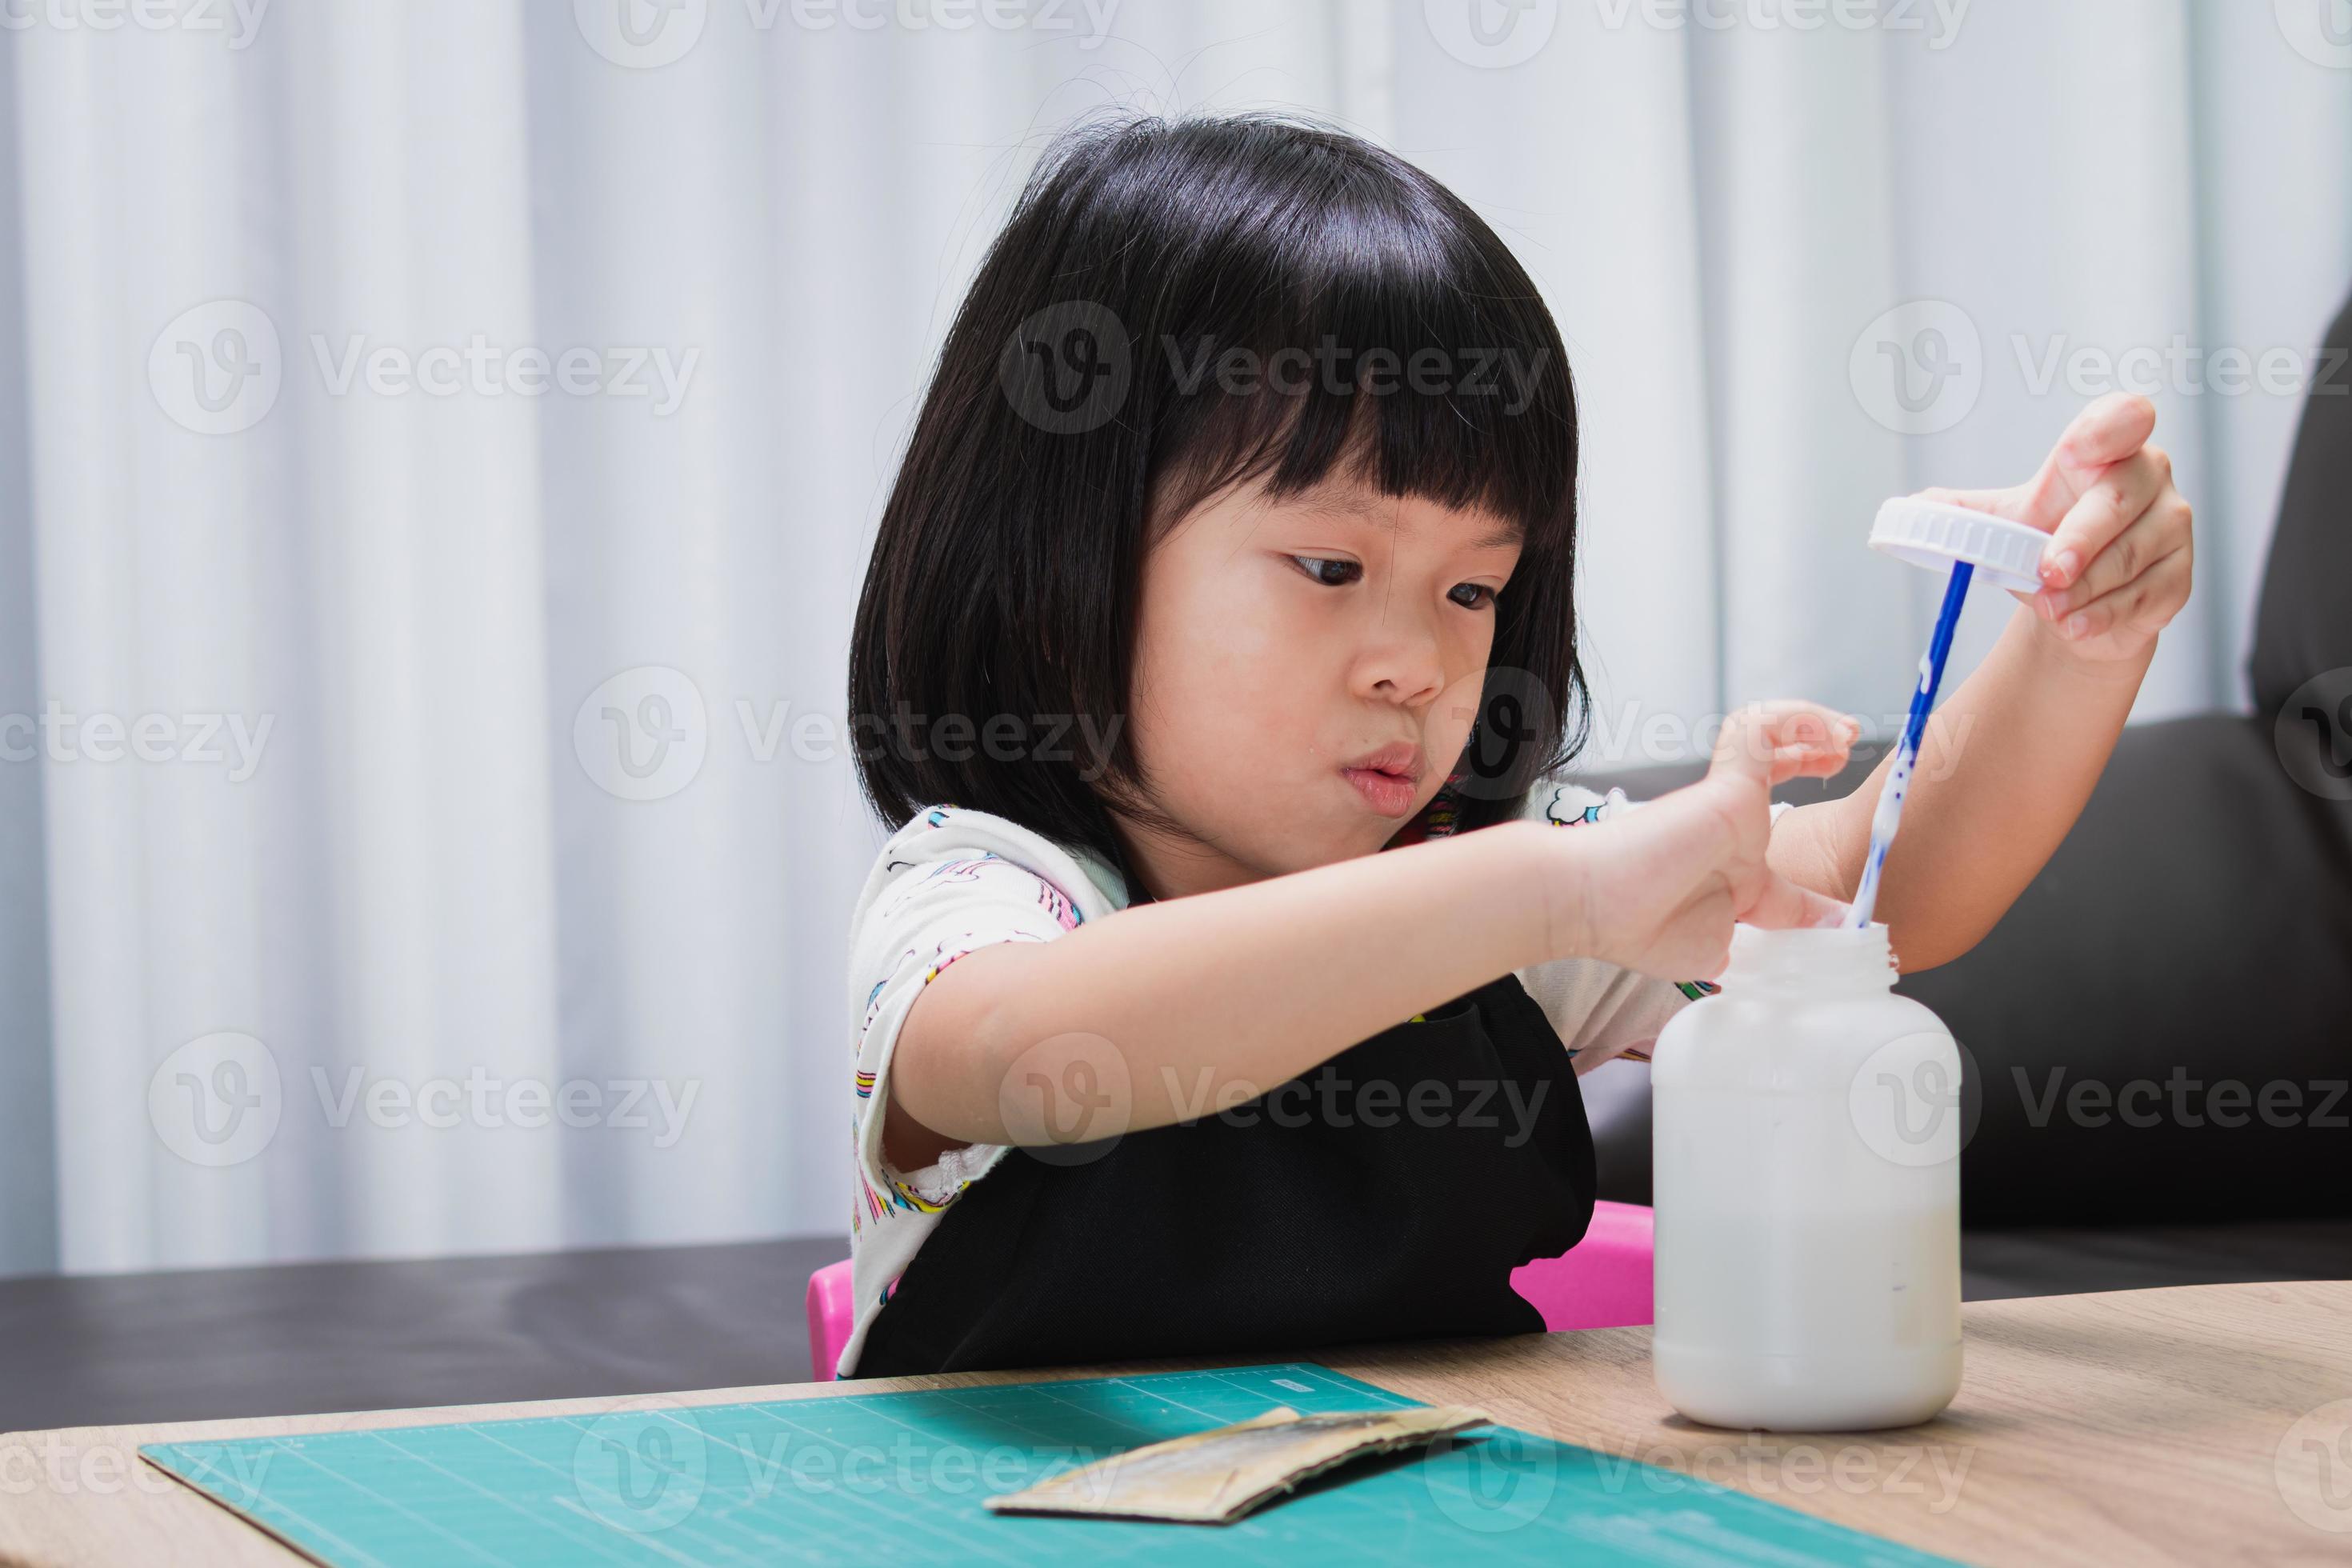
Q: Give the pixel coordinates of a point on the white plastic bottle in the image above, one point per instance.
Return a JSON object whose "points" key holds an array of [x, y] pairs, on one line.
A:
{"points": [[1806, 1165]]}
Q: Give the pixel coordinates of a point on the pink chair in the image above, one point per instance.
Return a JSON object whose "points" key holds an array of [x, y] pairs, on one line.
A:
{"points": [[1602, 1282]]}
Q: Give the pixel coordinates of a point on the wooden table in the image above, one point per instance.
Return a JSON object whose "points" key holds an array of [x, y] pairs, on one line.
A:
{"points": [[2200, 1426]]}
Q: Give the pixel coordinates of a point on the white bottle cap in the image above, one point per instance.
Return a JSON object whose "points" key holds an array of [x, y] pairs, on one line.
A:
{"points": [[1935, 533]]}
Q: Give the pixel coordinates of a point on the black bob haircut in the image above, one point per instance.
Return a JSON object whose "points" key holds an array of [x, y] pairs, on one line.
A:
{"points": [[1085, 397]]}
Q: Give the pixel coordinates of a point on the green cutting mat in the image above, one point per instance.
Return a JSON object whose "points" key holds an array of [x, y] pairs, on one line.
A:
{"points": [[900, 1476]]}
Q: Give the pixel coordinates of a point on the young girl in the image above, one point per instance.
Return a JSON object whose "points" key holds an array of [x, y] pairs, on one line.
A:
{"points": [[1236, 542]]}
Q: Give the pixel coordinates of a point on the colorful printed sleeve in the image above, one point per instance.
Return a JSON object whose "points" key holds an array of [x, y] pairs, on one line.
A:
{"points": [[950, 882]]}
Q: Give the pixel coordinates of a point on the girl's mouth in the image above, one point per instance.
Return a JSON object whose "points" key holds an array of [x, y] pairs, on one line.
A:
{"points": [[1390, 794]]}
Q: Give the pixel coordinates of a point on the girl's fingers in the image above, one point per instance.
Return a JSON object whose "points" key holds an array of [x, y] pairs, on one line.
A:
{"points": [[2166, 582], [1782, 904], [2146, 540], [1806, 762], [2118, 499], [1755, 737], [2106, 432]]}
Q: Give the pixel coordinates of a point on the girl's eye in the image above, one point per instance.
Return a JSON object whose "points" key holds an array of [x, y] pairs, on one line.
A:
{"points": [[1341, 575], [1480, 596]]}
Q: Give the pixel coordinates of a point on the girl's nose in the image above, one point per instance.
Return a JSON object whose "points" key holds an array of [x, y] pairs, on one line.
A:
{"points": [[1402, 663]]}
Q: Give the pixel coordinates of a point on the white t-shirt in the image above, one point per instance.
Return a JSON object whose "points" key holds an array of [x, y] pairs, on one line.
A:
{"points": [[954, 880]]}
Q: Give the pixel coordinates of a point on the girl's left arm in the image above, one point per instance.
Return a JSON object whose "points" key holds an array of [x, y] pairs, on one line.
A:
{"points": [[2008, 759]]}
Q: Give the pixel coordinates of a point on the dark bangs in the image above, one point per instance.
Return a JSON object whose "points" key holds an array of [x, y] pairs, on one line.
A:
{"points": [[1173, 310]]}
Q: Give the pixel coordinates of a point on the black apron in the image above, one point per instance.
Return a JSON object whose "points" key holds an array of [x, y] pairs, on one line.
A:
{"points": [[1386, 1194]]}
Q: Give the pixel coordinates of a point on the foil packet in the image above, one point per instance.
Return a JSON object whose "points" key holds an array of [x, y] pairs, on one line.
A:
{"points": [[1216, 1477]]}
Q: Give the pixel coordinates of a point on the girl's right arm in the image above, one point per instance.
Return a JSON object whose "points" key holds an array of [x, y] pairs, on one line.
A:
{"points": [[1174, 1010]]}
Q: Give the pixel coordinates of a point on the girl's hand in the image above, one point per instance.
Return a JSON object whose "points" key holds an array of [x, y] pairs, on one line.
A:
{"points": [[2116, 569], [1659, 888]]}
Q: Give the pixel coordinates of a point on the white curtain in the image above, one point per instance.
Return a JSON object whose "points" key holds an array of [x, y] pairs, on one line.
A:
{"points": [[425, 826]]}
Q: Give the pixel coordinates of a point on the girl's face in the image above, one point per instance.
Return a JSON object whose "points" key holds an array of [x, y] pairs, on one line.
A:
{"points": [[1306, 673]]}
